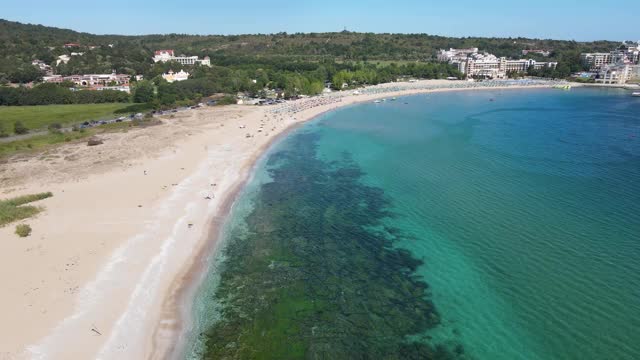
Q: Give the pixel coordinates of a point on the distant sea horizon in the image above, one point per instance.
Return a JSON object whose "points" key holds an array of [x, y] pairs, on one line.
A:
{"points": [[499, 224]]}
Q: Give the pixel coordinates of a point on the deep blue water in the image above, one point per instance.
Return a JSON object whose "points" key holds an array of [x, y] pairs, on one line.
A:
{"points": [[525, 212]]}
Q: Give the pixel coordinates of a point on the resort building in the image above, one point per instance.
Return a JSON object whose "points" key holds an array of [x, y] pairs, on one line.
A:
{"points": [[544, 53], [169, 55], [123, 88], [179, 76], [455, 54], [595, 60], [46, 69], [618, 74], [499, 67], [484, 65], [93, 81], [63, 59], [523, 65]]}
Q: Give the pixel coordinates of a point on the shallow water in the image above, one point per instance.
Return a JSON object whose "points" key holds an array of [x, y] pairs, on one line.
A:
{"points": [[520, 216]]}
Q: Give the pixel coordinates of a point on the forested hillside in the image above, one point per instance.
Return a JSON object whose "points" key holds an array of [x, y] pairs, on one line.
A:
{"points": [[22, 43]]}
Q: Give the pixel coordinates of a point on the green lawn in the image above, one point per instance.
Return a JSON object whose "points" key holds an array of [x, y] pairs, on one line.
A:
{"points": [[39, 117]]}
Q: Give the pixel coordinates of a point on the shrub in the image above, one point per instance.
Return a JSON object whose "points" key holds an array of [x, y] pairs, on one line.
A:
{"points": [[3, 131], [17, 209], [135, 108], [19, 128], [23, 230], [228, 100]]}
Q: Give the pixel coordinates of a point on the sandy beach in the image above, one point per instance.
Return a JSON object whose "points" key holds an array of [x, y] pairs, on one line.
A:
{"points": [[113, 258]]}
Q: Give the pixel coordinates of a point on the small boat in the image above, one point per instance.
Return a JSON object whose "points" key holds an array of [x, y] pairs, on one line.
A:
{"points": [[394, 99], [377, 102], [636, 94]]}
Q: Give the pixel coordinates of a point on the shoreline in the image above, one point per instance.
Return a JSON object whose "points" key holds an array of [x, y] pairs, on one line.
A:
{"points": [[140, 266], [186, 284], [181, 297]]}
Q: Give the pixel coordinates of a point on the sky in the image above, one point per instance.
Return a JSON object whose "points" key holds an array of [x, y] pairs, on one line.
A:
{"points": [[549, 19]]}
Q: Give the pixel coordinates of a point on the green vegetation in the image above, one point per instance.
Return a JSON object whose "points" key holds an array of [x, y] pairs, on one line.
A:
{"points": [[40, 117], [584, 80], [47, 94], [3, 130], [21, 43], [23, 230], [143, 92], [40, 142], [54, 137], [19, 128], [135, 108], [296, 63], [227, 100], [16, 209]]}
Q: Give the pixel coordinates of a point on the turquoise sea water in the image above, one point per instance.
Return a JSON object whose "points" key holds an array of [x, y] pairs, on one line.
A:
{"points": [[521, 218]]}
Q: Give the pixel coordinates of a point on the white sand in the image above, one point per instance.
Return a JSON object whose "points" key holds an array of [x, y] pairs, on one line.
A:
{"points": [[113, 251]]}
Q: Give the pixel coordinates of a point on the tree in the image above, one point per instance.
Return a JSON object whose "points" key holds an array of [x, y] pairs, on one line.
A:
{"points": [[19, 128], [26, 74], [143, 92], [342, 77]]}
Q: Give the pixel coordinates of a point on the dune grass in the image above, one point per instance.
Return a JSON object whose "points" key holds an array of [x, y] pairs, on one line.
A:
{"points": [[16, 209], [41, 116], [51, 139], [40, 141]]}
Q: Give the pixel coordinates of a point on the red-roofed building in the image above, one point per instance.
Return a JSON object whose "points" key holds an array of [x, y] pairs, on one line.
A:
{"points": [[70, 45], [163, 53]]}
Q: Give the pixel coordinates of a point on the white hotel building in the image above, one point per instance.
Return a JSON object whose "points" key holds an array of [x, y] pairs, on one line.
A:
{"points": [[474, 64], [169, 55]]}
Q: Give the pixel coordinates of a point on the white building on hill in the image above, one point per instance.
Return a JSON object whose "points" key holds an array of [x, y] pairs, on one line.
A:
{"points": [[179, 76], [169, 55]]}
